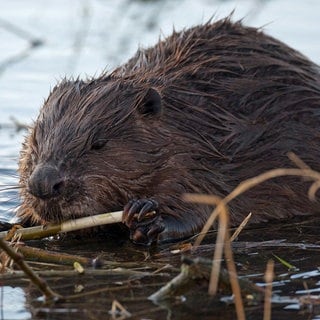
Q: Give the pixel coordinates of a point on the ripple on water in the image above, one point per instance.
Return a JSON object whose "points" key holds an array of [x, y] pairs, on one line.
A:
{"points": [[10, 142]]}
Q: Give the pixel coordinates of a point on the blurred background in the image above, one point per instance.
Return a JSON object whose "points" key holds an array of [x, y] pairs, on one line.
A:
{"points": [[44, 41]]}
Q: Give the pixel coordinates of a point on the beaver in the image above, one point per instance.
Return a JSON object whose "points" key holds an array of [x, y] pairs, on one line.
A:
{"points": [[199, 112]]}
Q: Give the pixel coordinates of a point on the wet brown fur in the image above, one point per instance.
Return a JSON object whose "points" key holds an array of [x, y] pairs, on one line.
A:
{"points": [[234, 102]]}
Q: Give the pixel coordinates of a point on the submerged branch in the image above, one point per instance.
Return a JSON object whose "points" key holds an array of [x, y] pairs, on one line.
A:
{"points": [[46, 256]]}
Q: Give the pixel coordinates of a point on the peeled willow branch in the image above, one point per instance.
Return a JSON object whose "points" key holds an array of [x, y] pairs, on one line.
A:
{"points": [[48, 230]]}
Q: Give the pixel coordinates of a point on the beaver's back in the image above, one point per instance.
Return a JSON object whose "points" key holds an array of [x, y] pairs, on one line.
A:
{"points": [[237, 101]]}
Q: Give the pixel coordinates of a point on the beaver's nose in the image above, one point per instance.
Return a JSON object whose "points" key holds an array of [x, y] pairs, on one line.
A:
{"points": [[45, 182]]}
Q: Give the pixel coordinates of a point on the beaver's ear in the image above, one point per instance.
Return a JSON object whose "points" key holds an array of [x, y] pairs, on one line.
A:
{"points": [[151, 104]]}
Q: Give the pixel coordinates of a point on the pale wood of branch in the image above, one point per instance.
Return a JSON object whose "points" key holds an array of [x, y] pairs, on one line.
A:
{"points": [[39, 232]]}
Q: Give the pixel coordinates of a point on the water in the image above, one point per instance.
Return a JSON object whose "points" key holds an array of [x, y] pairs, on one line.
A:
{"points": [[9, 151], [13, 303], [44, 41]]}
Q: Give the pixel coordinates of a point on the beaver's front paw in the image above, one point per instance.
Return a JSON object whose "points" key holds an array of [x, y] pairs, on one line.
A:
{"points": [[143, 219]]}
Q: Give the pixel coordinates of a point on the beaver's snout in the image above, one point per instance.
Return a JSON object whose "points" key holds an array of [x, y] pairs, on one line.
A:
{"points": [[45, 182]]}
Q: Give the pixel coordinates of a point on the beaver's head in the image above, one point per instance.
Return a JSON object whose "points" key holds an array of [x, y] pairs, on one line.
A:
{"points": [[94, 146]]}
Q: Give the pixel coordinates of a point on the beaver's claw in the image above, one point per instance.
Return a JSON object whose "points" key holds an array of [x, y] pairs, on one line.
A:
{"points": [[143, 220]]}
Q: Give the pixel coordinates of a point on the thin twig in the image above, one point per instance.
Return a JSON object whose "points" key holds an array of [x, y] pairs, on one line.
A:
{"points": [[34, 278], [117, 308], [236, 290], [241, 226]]}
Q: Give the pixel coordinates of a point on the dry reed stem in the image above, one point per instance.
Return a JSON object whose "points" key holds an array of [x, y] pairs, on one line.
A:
{"points": [[222, 211], [297, 161], [313, 189], [245, 186], [269, 274], [236, 290], [222, 242], [300, 164], [218, 252]]}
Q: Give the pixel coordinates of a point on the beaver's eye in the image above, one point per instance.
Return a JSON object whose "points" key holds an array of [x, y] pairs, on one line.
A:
{"points": [[98, 144]]}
